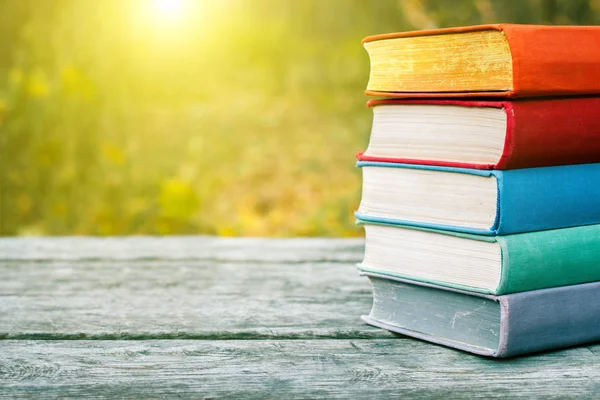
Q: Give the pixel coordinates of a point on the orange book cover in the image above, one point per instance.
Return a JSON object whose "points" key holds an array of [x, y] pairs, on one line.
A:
{"points": [[546, 60]]}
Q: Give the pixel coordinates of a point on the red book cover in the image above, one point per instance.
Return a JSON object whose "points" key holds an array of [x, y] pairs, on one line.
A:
{"points": [[546, 60], [540, 132]]}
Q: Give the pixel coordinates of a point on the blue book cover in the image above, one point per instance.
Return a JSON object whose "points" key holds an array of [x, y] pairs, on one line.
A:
{"points": [[526, 200], [493, 326]]}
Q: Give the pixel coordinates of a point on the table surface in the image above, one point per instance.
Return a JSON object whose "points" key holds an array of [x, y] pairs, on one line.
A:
{"points": [[203, 317]]}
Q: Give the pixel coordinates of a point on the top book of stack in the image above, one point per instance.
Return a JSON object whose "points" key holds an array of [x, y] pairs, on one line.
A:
{"points": [[502, 60]]}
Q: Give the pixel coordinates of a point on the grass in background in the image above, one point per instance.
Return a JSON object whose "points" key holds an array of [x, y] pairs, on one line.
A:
{"points": [[226, 117]]}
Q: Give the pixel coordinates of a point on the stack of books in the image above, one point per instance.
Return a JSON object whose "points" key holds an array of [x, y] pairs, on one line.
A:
{"points": [[481, 187]]}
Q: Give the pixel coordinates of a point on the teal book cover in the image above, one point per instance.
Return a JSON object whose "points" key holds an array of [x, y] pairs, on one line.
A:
{"points": [[496, 264]]}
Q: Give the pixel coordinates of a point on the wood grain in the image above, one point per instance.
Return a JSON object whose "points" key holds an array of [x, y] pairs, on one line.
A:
{"points": [[276, 318], [286, 369], [196, 288], [298, 250]]}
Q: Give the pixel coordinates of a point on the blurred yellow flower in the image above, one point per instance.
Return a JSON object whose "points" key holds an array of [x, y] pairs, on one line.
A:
{"points": [[74, 82], [37, 85], [177, 199], [113, 154], [226, 230], [69, 75]]}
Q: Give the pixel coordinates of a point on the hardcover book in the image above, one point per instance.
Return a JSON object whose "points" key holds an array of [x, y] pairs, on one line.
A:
{"points": [[497, 134], [493, 326], [501, 60], [485, 264], [486, 202]]}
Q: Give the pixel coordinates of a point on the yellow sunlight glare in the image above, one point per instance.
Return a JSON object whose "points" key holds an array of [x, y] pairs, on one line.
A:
{"points": [[169, 9]]}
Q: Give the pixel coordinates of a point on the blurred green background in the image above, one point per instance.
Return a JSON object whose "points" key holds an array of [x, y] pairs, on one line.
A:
{"points": [[225, 117]]}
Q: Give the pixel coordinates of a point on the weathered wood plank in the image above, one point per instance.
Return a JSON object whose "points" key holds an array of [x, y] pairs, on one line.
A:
{"points": [[286, 369], [213, 289], [182, 248]]}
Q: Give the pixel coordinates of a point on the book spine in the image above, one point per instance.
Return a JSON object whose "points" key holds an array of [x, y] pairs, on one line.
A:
{"points": [[535, 199], [552, 258], [549, 319], [551, 132]]}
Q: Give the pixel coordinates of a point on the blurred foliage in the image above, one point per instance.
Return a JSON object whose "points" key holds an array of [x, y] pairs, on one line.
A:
{"points": [[225, 117]]}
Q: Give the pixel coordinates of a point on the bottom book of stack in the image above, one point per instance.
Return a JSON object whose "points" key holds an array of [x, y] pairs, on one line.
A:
{"points": [[495, 326]]}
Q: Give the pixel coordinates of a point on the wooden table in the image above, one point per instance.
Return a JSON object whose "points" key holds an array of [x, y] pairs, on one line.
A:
{"points": [[205, 317]]}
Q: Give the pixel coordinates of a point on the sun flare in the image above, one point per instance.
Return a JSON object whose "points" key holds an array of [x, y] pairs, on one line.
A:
{"points": [[169, 9]]}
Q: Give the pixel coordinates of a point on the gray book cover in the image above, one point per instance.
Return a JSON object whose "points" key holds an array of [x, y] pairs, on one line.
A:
{"points": [[493, 326]]}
